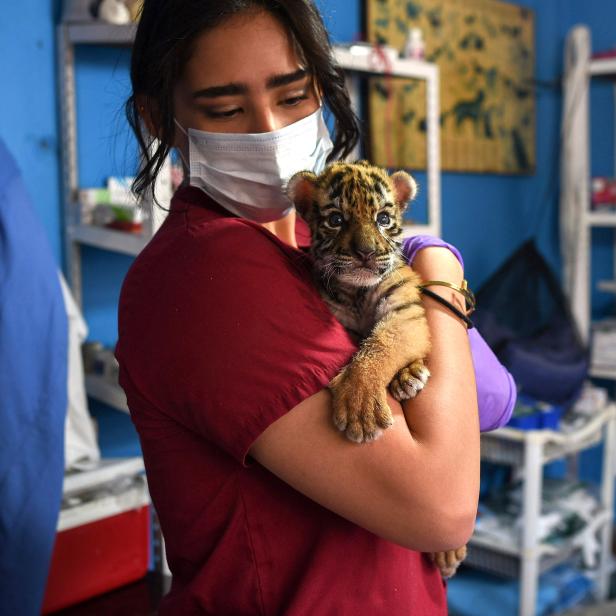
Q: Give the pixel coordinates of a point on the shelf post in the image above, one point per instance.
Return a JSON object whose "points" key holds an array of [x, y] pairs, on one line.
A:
{"points": [[66, 77], [607, 502], [531, 498]]}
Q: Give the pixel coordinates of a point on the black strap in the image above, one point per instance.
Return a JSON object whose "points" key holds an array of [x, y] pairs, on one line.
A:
{"points": [[444, 302]]}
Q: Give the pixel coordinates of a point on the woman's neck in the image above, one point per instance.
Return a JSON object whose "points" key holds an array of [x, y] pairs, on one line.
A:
{"points": [[283, 228]]}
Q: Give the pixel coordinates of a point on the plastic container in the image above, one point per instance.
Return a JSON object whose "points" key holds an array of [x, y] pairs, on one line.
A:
{"points": [[531, 414], [102, 543]]}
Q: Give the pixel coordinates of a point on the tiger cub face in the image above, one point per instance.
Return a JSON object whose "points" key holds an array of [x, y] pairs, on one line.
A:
{"points": [[354, 211]]}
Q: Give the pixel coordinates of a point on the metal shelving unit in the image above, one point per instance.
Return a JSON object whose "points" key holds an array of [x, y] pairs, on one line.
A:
{"points": [[530, 451], [581, 70], [78, 234]]}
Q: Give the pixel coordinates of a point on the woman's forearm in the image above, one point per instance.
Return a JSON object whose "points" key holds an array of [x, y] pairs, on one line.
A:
{"points": [[443, 418]]}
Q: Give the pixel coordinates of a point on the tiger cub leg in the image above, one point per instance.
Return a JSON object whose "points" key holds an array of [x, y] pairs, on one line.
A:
{"points": [[400, 337], [448, 562]]}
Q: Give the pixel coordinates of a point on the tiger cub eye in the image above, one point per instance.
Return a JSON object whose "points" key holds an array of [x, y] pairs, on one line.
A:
{"points": [[383, 219], [335, 220]]}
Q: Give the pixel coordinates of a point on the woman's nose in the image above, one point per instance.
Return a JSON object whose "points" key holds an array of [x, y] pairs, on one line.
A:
{"points": [[264, 121]]}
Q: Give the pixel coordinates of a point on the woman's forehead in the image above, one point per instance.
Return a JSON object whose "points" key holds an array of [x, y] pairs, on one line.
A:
{"points": [[248, 48]]}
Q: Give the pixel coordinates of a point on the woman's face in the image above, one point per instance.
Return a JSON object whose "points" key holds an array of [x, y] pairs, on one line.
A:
{"points": [[243, 77]]}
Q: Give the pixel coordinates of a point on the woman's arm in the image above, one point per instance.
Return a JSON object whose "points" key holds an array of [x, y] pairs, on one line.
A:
{"points": [[418, 484], [496, 390]]}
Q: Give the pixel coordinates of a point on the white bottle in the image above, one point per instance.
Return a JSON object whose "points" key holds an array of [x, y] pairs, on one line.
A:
{"points": [[415, 47]]}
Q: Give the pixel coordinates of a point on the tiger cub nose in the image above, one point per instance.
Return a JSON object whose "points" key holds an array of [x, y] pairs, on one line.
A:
{"points": [[363, 253]]}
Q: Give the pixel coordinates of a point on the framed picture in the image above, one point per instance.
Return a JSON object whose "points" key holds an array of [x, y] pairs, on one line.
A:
{"points": [[485, 53]]}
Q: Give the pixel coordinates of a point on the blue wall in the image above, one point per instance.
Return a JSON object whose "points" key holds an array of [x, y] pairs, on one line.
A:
{"points": [[486, 216], [28, 117]]}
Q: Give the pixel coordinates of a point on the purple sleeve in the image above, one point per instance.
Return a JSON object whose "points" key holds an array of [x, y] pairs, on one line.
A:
{"points": [[496, 390]]}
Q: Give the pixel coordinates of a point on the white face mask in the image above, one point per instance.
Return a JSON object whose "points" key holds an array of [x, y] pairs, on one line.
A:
{"points": [[246, 173]]}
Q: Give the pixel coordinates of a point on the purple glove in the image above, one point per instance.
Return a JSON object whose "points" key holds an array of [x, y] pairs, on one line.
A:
{"points": [[496, 390]]}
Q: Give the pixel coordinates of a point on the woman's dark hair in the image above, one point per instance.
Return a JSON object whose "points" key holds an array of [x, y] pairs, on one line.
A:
{"points": [[164, 42]]}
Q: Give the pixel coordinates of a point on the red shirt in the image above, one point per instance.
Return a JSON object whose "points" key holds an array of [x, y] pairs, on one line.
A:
{"points": [[221, 332]]}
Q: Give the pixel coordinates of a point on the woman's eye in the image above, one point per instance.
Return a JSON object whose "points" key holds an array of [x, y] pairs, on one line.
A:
{"points": [[335, 220], [383, 219], [292, 101], [227, 113]]}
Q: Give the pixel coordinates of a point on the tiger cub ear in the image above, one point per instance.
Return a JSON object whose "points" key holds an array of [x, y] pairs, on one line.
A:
{"points": [[300, 189], [405, 188]]}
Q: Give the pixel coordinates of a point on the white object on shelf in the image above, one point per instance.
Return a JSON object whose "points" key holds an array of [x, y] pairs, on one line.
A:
{"points": [[415, 46], [80, 442], [114, 12]]}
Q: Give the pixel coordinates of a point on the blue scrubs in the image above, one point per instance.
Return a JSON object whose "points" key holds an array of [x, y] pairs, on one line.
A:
{"points": [[33, 397]]}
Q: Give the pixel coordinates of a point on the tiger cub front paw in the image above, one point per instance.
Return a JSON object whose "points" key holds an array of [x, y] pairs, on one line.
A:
{"points": [[410, 380], [448, 562], [360, 407]]}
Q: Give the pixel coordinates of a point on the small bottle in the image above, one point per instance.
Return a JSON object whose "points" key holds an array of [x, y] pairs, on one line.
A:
{"points": [[415, 47]]}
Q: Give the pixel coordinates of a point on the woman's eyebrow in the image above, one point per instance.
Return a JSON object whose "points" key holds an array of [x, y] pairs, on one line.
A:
{"points": [[230, 89], [282, 80], [234, 89]]}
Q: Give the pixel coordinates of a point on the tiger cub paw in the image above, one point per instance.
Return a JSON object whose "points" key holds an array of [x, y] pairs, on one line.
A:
{"points": [[448, 562], [409, 381], [360, 411]]}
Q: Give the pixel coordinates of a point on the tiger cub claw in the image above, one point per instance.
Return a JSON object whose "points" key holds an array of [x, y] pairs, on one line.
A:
{"points": [[448, 562], [359, 411], [409, 381]]}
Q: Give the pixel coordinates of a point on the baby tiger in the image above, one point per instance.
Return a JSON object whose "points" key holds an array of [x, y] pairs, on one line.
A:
{"points": [[354, 211]]}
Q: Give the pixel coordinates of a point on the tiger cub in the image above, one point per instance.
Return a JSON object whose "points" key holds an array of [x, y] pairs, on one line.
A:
{"points": [[354, 211]]}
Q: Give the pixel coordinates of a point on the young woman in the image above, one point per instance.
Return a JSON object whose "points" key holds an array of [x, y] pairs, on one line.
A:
{"points": [[226, 348]]}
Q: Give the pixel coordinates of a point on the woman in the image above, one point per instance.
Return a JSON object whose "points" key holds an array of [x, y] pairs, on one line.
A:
{"points": [[226, 349]]}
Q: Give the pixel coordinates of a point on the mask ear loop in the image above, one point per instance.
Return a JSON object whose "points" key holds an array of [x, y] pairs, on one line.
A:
{"points": [[179, 149]]}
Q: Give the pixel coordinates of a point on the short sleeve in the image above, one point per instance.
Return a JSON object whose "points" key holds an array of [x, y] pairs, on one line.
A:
{"points": [[237, 329], [412, 245], [496, 389]]}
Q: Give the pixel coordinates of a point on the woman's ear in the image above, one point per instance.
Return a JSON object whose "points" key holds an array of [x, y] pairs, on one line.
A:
{"points": [[147, 115], [405, 188], [300, 189]]}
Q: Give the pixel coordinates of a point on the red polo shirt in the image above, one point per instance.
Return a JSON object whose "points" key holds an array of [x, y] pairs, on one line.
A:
{"points": [[221, 332]]}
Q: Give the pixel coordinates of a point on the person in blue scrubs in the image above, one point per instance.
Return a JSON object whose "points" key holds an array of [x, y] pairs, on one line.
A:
{"points": [[33, 397]]}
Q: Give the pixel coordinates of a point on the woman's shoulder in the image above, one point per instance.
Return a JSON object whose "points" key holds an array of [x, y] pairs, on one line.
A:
{"points": [[411, 246], [198, 233]]}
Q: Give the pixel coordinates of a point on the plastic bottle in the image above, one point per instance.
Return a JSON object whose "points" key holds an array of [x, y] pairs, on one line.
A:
{"points": [[415, 47]]}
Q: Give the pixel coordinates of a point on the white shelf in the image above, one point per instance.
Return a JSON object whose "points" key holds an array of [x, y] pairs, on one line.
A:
{"points": [[603, 372], [508, 445], [108, 239], [100, 389], [102, 472], [607, 285], [603, 67], [373, 63], [100, 33], [601, 219], [504, 559]]}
